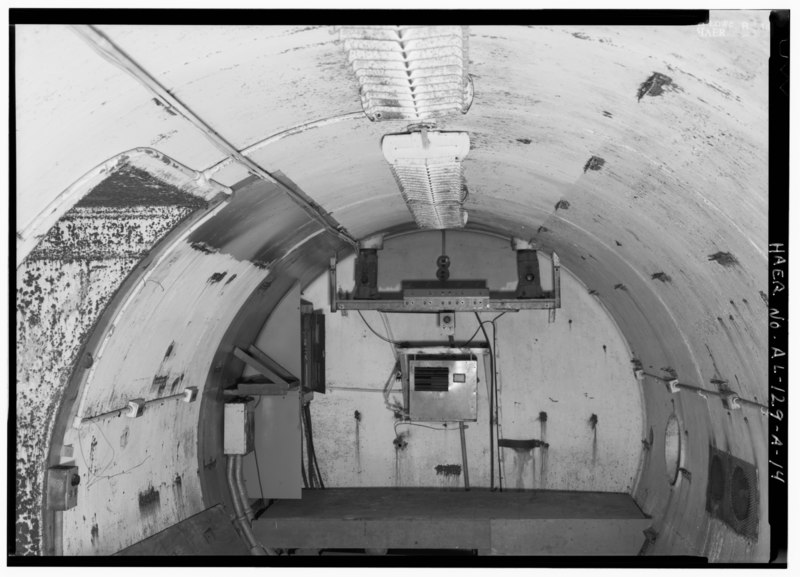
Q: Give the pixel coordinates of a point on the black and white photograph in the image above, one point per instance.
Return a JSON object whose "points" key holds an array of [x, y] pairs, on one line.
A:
{"points": [[312, 289]]}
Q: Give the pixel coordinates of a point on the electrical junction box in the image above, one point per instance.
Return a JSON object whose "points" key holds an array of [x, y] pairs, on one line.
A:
{"points": [[440, 388], [239, 433], [62, 487]]}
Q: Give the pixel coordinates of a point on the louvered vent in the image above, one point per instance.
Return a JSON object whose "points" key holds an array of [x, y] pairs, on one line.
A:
{"points": [[431, 378], [732, 492], [412, 73], [427, 168]]}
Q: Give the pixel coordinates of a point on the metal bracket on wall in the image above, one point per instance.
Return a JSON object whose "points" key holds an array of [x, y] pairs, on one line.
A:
{"points": [[280, 379], [447, 296]]}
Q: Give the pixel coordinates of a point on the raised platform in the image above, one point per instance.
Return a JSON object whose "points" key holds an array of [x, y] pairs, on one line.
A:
{"points": [[507, 523]]}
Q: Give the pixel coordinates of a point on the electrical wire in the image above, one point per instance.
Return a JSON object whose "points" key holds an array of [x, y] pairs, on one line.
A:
{"points": [[387, 389], [421, 425], [491, 405], [480, 325], [311, 473], [311, 444], [303, 473], [376, 333], [258, 472]]}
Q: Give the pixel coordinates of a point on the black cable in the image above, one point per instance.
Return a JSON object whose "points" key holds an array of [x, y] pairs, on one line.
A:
{"points": [[376, 333], [303, 472], [302, 443], [258, 472], [311, 475], [313, 450], [480, 324], [491, 406], [473, 335]]}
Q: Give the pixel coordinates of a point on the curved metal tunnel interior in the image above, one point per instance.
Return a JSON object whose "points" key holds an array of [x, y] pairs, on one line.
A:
{"points": [[654, 196]]}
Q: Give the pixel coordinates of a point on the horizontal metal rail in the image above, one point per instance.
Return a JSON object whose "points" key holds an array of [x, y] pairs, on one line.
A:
{"points": [[675, 386], [489, 306], [420, 304], [188, 395]]}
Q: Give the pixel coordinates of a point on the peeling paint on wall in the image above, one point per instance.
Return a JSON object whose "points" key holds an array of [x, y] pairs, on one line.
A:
{"points": [[594, 163], [726, 259], [62, 288], [656, 85]]}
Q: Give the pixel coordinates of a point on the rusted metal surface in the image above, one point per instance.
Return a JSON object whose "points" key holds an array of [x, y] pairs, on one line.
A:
{"points": [[114, 183]]}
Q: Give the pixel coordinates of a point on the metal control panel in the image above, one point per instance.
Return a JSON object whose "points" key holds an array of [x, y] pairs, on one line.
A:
{"points": [[441, 387]]}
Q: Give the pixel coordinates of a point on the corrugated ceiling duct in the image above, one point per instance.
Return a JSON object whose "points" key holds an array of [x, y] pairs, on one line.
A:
{"points": [[427, 167], [412, 73]]}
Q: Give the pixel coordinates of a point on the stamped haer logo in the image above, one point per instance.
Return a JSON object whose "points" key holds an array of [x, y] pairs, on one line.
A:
{"points": [[722, 28]]}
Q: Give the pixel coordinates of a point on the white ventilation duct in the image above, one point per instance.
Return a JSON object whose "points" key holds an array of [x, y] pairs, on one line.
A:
{"points": [[412, 73], [427, 167]]}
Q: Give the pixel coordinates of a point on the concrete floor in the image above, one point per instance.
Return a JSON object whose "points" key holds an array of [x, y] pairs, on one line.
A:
{"points": [[517, 523], [420, 503]]}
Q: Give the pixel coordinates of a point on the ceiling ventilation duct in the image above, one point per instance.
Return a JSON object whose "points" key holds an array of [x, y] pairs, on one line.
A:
{"points": [[414, 73], [427, 167]]}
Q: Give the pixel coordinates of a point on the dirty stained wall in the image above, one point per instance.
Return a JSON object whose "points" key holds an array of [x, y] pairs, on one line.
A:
{"points": [[62, 288], [151, 468], [147, 468], [576, 370]]}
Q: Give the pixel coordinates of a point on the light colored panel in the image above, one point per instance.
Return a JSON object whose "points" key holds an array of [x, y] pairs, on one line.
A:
{"points": [[278, 431], [276, 475]]}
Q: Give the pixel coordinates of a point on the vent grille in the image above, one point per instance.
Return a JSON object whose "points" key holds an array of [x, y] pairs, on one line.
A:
{"points": [[427, 168], [431, 379], [732, 492], [410, 72]]}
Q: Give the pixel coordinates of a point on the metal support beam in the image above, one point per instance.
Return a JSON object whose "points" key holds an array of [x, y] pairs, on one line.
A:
{"points": [[261, 367], [460, 299], [264, 358]]}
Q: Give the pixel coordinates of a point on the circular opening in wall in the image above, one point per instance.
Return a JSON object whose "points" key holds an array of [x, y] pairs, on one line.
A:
{"points": [[672, 448], [716, 479], [740, 494]]}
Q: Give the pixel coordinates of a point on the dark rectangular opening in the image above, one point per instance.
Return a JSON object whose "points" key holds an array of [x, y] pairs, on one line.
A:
{"points": [[431, 378]]}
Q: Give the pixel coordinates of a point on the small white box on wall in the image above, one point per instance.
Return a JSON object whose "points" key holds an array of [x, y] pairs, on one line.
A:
{"points": [[239, 429]]}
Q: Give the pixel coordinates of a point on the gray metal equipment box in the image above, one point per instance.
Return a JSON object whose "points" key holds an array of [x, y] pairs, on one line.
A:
{"points": [[441, 387]]}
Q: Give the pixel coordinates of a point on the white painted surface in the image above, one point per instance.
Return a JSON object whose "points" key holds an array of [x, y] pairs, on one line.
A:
{"points": [[176, 309], [560, 368]]}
